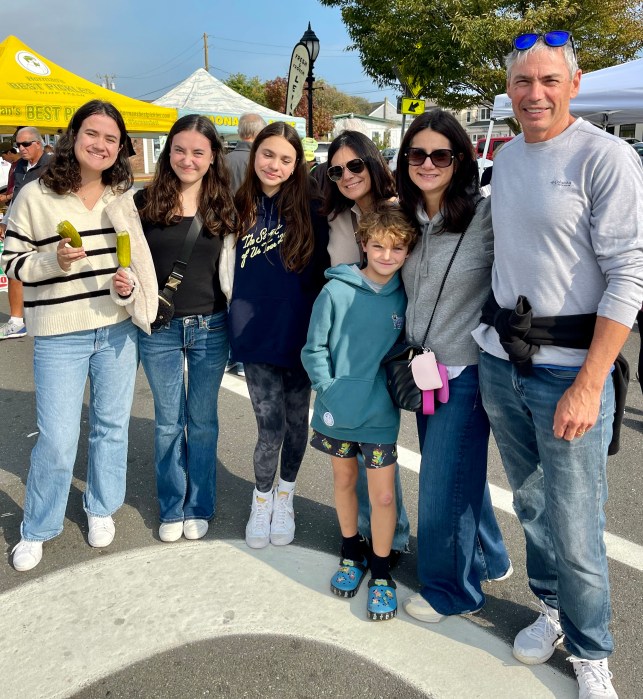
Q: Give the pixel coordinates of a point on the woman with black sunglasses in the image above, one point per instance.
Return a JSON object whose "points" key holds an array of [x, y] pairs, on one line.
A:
{"points": [[459, 542], [357, 180]]}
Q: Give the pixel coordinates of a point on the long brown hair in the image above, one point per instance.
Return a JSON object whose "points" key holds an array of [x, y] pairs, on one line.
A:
{"points": [[63, 173], [293, 200], [163, 194]]}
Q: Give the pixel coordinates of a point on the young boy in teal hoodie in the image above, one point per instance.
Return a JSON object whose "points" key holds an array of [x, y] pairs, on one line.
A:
{"points": [[357, 318]]}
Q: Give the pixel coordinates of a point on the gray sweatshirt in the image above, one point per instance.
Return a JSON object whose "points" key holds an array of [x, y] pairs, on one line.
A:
{"points": [[465, 291], [568, 225]]}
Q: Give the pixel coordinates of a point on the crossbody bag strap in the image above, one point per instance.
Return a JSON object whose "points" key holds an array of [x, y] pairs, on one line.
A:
{"points": [[178, 269], [446, 274]]}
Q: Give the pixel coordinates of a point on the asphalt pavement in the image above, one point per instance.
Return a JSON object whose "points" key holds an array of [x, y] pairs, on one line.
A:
{"points": [[213, 618]]}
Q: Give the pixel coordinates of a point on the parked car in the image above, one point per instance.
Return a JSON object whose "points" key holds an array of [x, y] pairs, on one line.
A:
{"points": [[321, 153], [389, 154], [495, 144], [629, 140], [638, 147]]}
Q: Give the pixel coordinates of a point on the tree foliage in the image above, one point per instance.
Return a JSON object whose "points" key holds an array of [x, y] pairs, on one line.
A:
{"points": [[252, 88], [454, 49], [322, 116], [327, 99]]}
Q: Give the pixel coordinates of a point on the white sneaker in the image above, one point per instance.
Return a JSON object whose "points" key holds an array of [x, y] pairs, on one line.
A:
{"points": [[282, 526], [505, 576], [101, 531], [258, 527], [170, 531], [26, 555], [594, 679], [12, 329], [417, 607], [195, 528], [536, 643]]}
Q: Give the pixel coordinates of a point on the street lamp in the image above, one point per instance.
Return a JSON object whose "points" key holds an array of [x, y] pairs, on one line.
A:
{"points": [[311, 42]]}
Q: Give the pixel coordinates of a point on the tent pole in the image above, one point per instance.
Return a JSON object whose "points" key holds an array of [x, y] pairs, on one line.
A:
{"points": [[486, 143]]}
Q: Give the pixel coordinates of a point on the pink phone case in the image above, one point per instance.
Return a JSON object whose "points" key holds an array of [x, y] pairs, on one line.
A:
{"points": [[424, 368]]}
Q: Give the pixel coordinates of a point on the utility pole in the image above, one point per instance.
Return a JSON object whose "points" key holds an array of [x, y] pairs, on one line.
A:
{"points": [[107, 81], [205, 51]]}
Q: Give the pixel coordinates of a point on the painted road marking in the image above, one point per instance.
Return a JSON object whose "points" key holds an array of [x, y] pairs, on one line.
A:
{"points": [[618, 549], [146, 601]]}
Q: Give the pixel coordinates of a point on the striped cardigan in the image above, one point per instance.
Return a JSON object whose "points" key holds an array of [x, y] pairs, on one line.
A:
{"points": [[58, 302]]}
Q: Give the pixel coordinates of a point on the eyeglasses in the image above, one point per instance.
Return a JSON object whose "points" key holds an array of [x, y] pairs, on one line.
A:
{"points": [[336, 172], [442, 157], [24, 144], [556, 39]]}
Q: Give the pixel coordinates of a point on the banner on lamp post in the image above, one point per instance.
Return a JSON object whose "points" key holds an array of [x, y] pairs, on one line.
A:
{"points": [[299, 64]]}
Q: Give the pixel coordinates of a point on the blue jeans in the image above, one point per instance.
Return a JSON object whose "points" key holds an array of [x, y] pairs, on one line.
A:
{"points": [[459, 541], [559, 489], [62, 364], [186, 421], [402, 526]]}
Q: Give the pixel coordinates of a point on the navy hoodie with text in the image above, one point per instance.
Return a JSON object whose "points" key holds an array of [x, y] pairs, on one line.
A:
{"points": [[271, 306]]}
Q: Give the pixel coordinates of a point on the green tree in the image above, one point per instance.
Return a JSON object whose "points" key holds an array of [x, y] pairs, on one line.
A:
{"points": [[454, 49], [252, 88], [322, 116]]}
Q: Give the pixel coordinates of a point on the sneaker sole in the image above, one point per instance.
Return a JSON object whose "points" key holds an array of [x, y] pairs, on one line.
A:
{"points": [[282, 542], [258, 545], [528, 660], [8, 337]]}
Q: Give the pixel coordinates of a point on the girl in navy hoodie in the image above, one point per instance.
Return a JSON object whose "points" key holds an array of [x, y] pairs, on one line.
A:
{"points": [[279, 261]]}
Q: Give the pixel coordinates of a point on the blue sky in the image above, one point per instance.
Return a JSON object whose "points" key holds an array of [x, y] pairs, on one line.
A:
{"points": [[151, 45]]}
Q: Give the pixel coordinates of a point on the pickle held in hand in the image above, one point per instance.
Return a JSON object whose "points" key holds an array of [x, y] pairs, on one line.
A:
{"points": [[66, 230]]}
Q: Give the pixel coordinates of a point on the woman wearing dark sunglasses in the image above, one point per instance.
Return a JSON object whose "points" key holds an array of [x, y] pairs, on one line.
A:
{"points": [[357, 180], [459, 542]]}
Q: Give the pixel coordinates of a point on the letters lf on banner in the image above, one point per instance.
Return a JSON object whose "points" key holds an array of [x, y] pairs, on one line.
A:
{"points": [[297, 75]]}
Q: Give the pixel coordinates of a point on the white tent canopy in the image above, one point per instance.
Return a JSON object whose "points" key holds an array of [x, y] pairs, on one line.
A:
{"points": [[202, 93], [609, 96]]}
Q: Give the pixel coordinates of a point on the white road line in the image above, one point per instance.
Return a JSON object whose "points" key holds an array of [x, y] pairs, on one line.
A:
{"points": [[618, 549], [142, 602]]}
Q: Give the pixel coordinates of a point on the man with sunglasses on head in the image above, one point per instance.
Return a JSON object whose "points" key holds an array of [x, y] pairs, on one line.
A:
{"points": [[567, 281], [32, 164]]}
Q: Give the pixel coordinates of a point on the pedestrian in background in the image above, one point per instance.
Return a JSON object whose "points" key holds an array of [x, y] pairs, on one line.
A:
{"points": [[32, 164], [191, 180], [275, 274]]}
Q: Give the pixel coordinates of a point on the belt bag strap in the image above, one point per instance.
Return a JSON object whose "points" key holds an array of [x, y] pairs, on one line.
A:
{"points": [[178, 269]]}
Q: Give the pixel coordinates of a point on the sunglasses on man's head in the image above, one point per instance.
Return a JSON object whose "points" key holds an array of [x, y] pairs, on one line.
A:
{"points": [[442, 157], [336, 172], [24, 144], [556, 39]]}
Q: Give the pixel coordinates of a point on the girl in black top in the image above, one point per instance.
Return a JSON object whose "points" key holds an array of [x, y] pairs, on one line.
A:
{"points": [[190, 177]]}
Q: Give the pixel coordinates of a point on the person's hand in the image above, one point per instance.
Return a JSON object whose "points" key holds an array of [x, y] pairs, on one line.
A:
{"points": [[576, 412], [3, 230], [123, 283], [67, 255]]}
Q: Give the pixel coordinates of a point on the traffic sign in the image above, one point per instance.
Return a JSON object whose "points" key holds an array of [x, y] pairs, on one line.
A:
{"points": [[413, 106]]}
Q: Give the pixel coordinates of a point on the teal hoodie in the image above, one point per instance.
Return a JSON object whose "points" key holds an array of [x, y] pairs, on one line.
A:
{"points": [[351, 328]]}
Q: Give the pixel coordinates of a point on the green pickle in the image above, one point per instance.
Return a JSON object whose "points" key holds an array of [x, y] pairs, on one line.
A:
{"points": [[66, 230], [123, 251]]}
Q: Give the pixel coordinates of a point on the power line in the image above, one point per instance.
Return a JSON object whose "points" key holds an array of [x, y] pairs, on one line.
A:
{"points": [[151, 70], [163, 72]]}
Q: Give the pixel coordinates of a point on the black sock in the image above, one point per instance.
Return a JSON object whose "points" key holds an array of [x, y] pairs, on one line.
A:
{"points": [[379, 567], [351, 548]]}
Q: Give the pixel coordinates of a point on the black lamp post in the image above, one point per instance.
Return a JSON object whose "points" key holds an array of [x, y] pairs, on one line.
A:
{"points": [[311, 42]]}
